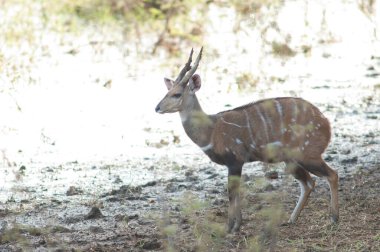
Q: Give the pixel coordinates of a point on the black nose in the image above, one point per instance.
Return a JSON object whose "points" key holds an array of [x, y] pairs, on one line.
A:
{"points": [[157, 108]]}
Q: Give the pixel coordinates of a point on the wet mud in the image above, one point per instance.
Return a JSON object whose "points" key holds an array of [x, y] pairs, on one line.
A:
{"points": [[187, 212]]}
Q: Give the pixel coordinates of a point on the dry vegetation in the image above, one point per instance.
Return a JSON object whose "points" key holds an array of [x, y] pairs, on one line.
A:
{"points": [[200, 228]]}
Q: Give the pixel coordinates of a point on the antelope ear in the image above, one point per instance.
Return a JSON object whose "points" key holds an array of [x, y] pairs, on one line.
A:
{"points": [[195, 83], [169, 83]]}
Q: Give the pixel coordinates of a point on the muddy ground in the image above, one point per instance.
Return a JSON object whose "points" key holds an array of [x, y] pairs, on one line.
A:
{"points": [[183, 207], [187, 213], [153, 190]]}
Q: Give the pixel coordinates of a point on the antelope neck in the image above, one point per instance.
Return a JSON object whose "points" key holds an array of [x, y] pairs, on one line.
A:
{"points": [[197, 124]]}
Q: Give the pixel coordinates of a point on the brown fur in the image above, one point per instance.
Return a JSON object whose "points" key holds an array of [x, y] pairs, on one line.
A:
{"points": [[237, 130], [285, 129]]}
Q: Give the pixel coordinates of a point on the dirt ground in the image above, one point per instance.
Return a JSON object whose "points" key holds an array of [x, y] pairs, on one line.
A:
{"points": [[182, 206], [188, 211], [162, 193], [169, 216]]}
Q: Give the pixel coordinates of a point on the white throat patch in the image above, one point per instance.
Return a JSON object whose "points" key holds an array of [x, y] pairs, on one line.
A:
{"points": [[183, 116]]}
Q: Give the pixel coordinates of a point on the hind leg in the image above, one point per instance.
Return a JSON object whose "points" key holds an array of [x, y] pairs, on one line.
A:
{"points": [[333, 181], [306, 185], [321, 169]]}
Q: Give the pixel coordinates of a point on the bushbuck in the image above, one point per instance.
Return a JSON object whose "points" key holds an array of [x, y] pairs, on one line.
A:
{"points": [[285, 129]]}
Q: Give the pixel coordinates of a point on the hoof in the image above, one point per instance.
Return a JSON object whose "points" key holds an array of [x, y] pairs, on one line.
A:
{"points": [[233, 228], [334, 219], [291, 221], [286, 224]]}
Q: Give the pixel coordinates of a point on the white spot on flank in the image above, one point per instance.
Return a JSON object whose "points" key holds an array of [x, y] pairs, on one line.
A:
{"points": [[207, 147], [238, 141], [272, 144], [276, 143]]}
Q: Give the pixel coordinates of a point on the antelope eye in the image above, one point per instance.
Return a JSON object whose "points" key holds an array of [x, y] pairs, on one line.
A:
{"points": [[177, 95]]}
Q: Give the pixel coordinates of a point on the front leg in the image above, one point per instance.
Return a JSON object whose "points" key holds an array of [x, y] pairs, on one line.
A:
{"points": [[234, 208]]}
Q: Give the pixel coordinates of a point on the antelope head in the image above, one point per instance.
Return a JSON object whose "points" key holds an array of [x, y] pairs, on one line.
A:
{"points": [[181, 89]]}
